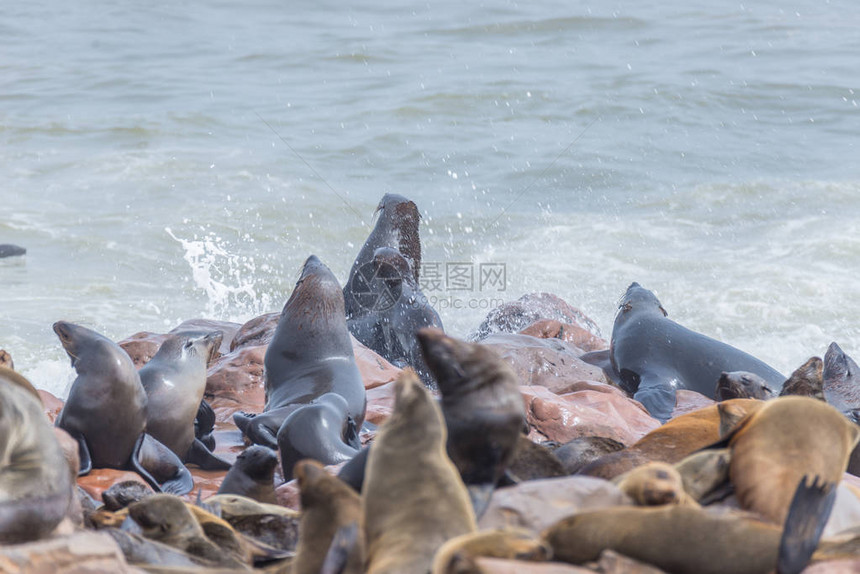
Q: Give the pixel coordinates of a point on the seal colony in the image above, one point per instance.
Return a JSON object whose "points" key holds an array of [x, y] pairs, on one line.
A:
{"points": [[437, 461]]}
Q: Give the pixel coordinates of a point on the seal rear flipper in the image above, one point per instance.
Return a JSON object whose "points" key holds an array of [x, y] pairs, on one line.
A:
{"points": [[658, 398], [204, 458], [480, 495], [256, 431], [344, 543], [162, 466], [810, 508]]}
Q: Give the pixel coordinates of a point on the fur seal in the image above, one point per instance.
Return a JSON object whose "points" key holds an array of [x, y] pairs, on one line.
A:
{"points": [[396, 227], [654, 356], [204, 425], [9, 250], [174, 381], [399, 310], [841, 384], [704, 472], [458, 554], [36, 487], [322, 430], [252, 475], [483, 409], [655, 484], [6, 360], [414, 499], [121, 494], [773, 448], [106, 412], [742, 385], [582, 451], [327, 505], [806, 381], [688, 540], [532, 461], [309, 355]]}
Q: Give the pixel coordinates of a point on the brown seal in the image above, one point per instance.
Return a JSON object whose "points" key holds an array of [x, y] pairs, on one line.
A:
{"points": [[252, 475], [327, 505], [704, 472], [655, 484], [742, 385], [582, 451], [458, 554], [6, 359], [414, 499], [787, 438], [806, 381], [35, 482], [678, 438]]}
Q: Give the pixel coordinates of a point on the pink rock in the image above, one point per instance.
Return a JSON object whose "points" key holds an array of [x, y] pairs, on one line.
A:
{"points": [[228, 331], [380, 403], [52, 404], [141, 347], [501, 566], [375, 370], [585, 413], [573, 334], [549, 363], [516, 315], [100, 479], [239, 376], [256, 332], [289, 495], [687, 401]]}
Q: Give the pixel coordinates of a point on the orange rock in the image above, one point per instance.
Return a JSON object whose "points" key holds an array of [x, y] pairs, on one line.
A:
{"points": [[380, 403], [238, 376], [256, 332], [52, 404], [375, 370], [573, 334], [687, 401], [141, 347]]}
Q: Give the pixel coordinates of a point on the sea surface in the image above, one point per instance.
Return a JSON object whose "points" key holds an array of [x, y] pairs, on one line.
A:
{"points": [[164, 161]]}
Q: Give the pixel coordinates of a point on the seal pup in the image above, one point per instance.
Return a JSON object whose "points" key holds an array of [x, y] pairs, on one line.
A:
{"points": [[806, 381], [106, 412], [321, 430], [655, 484], [654, 356], [36, 487], [414, 499], [327, 505], [6, 360], [483, 409], [9, 250], [841, 385], [396, 227], [174, 381], [688, 540], [309, 355], [582, 451], [399, 309], [252, 475], [742, 385]]}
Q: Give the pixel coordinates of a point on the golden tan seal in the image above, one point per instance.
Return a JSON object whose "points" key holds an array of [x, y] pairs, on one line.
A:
{"points": [[413, 498], [655, 484], [458, 554]]}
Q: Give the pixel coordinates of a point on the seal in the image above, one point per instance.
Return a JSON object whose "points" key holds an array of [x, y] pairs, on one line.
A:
{"points": [[533, 461], [483, 409], [106, 413], [174, 381], [309, 355], [327, 505], [841, 384], [414, 499], [582, 451], [121, 494], [36, 487], [396, 227], [806, 381], [395, 313], [458, 554], [742, 385], [322, 430], [654, 356], [271, 524], [6, 360], [252, 475], [655, 484], [704, 472], [686, 539], [9, 250], [773, 448]]}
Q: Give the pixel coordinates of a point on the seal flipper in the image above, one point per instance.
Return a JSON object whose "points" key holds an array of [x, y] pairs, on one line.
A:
{"points": [[83, 453], [257, 431], [352, 472], [157, 462], [204, 424], [657, 396], [343, 544], [136, 466], [810, 508], [204, 458]]}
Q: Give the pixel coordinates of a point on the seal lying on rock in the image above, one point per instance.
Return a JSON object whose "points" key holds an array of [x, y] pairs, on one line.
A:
{"points": [[310, 355], [252, 475], [654, 356], [106, 413], [35, 482]]}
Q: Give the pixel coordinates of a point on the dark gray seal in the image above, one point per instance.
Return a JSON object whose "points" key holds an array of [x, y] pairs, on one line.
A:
{"points": [[252, 475], [322, 431], [9, 250], [397, 228], [742, 385], [399, 309], [36, 486], [654, 356], [310, 355], [106, 413], [842, 382], [174, 381]]}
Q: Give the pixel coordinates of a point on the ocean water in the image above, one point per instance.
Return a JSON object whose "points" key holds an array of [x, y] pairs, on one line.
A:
{"points": [[169, 161]]}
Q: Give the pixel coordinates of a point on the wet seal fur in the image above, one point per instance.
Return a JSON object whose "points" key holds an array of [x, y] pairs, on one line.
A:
{"points": [[252, 475], [309, 355], [36, 486], [654, 356], [742, 385], [806, 381], [174, 381], [106, 413], [414, 499]]}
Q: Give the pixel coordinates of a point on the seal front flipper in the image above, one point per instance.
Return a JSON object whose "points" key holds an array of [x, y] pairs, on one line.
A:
{"points": [[256, 431], [204, 458], [810, 508], [657, 396], [157, 463], [342, 545], [204, 424], [83, 453]]}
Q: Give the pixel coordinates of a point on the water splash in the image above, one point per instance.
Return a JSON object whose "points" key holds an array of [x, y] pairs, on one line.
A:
{"points": [[226, 278]]}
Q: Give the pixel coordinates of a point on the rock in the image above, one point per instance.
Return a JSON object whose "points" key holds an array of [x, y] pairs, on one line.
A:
{"points": [[687, 401], [228, 331], [501, 566], [613, 563], [100, 479], [256, 332], [380, 403], [289, 495], [52, 404], [549, 363], [573, 334], [375, 370], [238, 376], [851, 566], [516, 315], [585, 413], [538, 504], [82, 552], [141, 347]]}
